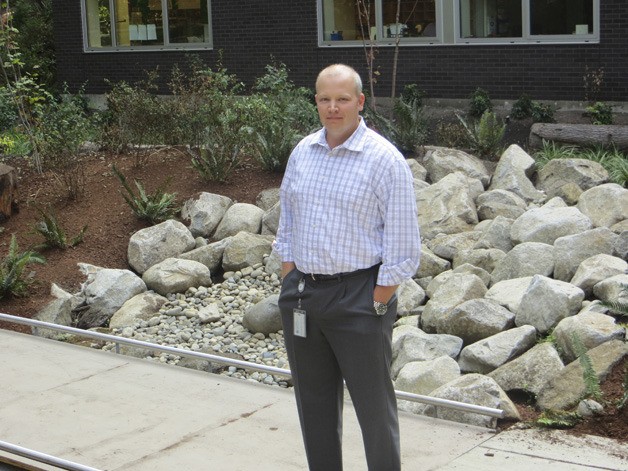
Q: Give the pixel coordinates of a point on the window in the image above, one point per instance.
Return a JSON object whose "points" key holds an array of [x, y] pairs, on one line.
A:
{"points": [[147, 24], [528, 20], [445, 22], [351, 20]]}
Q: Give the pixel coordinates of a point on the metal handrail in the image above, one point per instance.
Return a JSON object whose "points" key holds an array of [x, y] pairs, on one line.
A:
{"points": [[44, 458], [461, 406]]}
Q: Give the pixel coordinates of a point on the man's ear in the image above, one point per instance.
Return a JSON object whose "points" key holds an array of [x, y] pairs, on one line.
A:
{"points": [[361, 100]]}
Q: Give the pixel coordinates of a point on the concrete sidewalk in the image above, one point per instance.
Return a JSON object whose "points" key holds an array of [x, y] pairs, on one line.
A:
{"points": [[113, 412]]}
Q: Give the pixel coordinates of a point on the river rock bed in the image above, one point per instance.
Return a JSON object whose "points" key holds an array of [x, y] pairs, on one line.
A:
{"points": [[209, 319]]}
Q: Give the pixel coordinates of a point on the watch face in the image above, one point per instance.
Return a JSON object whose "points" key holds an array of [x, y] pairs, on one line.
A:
{"points": [[380, 309]]}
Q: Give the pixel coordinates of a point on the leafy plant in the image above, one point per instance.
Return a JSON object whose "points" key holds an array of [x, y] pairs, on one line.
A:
{"points": [[480, 102], [273, 145], [409, 130], [451, 135], [522, 108], [412, 94], [600, 113], [54, 234], [378, 122], [153, 208], [624, 399], [551, 150], [12, 280], [591, 381], [485, 136], [559, 419], [542, 113]]}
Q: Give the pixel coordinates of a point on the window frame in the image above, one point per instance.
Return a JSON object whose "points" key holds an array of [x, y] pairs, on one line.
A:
{"points": [[167, 46], [448, 30]]}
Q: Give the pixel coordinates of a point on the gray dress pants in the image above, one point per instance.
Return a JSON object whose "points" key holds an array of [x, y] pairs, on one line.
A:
{"points": [[347, 340]]}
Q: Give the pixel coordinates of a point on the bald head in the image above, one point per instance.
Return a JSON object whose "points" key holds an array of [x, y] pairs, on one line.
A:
{"points": [[340, 71]]}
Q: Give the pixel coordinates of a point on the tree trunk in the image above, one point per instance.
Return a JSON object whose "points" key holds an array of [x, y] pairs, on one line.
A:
{"points": [[579, 134], [8, 192]]}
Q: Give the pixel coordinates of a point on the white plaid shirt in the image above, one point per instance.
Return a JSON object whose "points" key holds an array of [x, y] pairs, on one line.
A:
{"points": [[349, 208]]}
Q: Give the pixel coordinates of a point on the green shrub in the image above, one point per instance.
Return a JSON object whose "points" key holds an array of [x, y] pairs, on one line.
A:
{"points": [[551, 150], [480, 102], [412, 94], [378, 122], [12, 280], [522, 108], [485, 136], [8, 110], [154, 208], [409, 130], [542, 113], [589, 376], [600, 113], [54, 234], [451, 135], [14, 143], [559, 419], [273, 145]]}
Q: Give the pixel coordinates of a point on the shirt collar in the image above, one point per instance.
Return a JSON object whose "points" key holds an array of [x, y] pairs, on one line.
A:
{"points": [[354, 143]]}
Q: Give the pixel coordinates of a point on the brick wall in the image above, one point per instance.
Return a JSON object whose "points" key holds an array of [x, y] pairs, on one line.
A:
{"points": [[252, 32]]}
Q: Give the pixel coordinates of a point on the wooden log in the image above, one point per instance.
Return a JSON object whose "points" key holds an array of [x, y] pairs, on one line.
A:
{"points": [[8, 192], [585, 135]]}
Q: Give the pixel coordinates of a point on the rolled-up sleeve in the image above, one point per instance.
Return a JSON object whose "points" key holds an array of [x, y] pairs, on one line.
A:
{"points": [[401, 243], [283, 240]]}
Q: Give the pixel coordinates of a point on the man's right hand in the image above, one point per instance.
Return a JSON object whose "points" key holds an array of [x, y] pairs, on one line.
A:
{"points": [[287, 267]]}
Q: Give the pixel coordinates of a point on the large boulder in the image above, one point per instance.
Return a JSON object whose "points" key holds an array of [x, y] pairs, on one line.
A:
{"points": [[263, 317], [431, 264], [557, 173], [613, 289], [549, 222], [448, 245], [422, 377], [496, 235], [241, 217], [245, 250], [409, 297], [605, 205], [105, 291], [527, 259], [175, 275], [267, 198], [157, 243], [595, 269], [209, 255], [143, 306], [546, 302], [448, 205], [509, 293], [477, 319], [487, 259], [441, 161], [270, 220], [494, 203], [570, 251], [58, 312], [204, 213], [513, 172]]}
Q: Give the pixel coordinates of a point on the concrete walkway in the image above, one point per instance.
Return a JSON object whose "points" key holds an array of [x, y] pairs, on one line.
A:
{"points": [[113, 412]]}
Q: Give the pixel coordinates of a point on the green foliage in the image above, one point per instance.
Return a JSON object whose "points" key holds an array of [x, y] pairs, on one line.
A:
{"points": [[618, 307], [54, 234], [378, 122], [559, 419], [522, 108], [451, 135], [8, 110], [273, 143], [624, 399], [485, 136], [480, 102], [551, 150], [600, 113], [14, 143], [591, 381], [409, 130], [12, 279], [542, 113], [154, 208], [412, 94], [62, 126]]}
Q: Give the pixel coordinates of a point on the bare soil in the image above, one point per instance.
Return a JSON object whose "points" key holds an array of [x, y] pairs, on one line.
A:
{"points": [[110, 223]]}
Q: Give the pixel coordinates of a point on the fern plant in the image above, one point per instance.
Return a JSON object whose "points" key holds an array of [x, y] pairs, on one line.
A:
{"points": [[591, 381], [154, 208], [485, 136], [12, 280], [559, 419], [410, 126], [54, 234]]}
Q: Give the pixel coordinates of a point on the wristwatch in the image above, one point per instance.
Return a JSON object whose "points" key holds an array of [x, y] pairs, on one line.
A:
{"points": [[380, 308]]}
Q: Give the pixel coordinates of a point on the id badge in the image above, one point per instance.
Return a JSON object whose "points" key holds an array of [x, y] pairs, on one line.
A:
{"points": [[299, 323]]}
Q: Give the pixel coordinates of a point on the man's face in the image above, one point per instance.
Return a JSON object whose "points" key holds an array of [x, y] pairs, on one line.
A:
{"points": [[339, 105]]}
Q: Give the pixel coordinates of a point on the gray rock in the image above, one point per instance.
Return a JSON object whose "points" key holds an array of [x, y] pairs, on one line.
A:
{"points": [[270, 220], [431, 264], [422, 377], [548, 223], [175, 275], [273, 263], [571, 251], [419, 172], [566, 388], [477, 271], [487, 259], [157, 243], [595, 269], [490, 353], [496, 235], [586, 330], [621, 244], [605, 205], [457, 289], [494, 203], [58, 312], [143, 306], [546, 302], [448, 245], [612, 289], [205, 212], [448, 206], [240, 217], [442, 161], [477, 319], [558, 172], [509, 293], [267, 198], [527, 259], [589, 407], [410, 296], [512, 174], [263, 317], [245, 250], [531, 371], [209, 255]]}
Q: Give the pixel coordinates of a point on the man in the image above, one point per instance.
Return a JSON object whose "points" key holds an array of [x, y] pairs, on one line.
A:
{"points": [[348, 236]]}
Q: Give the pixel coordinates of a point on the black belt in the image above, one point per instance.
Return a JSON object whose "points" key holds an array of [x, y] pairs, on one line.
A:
{"points": [[339, 276]]}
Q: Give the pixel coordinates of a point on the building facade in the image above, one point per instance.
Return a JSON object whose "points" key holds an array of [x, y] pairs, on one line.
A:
{"points": [[548, 49]]}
